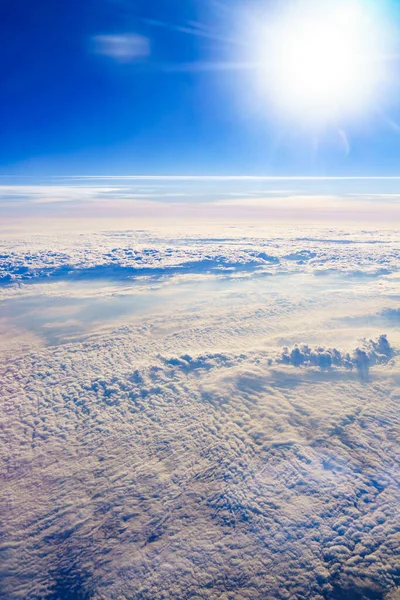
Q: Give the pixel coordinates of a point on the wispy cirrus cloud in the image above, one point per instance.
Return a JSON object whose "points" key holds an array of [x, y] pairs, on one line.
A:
{"points": [[54, 193], [122, 47]]}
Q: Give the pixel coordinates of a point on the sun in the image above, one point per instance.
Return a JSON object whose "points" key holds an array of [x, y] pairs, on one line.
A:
{"points": [[324, 59]]}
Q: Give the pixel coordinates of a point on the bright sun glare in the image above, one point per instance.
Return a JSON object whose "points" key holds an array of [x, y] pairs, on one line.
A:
{"points": [[326, 59]]}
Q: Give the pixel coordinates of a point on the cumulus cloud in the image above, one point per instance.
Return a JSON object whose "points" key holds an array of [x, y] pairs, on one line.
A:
{"points": [[124, 48], [370, 353]]}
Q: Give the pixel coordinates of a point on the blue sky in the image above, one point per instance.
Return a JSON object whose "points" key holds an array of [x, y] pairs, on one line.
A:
{"points": [[122, 87]]}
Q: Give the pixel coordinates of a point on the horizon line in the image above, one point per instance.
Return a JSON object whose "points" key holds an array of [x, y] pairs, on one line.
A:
{"points": [[234, 177]]}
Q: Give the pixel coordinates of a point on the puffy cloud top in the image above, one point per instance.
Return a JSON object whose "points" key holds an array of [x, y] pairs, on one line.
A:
{"points": [[370, 353]]}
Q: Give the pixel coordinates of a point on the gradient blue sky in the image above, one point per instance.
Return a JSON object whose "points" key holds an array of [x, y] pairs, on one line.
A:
{"points": [[179, 101]]}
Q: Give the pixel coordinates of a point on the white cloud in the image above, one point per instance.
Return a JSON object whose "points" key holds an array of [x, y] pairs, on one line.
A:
{"points": [[129, 474], [42, 194], [126, 47], [182, 454], [134, 254]]}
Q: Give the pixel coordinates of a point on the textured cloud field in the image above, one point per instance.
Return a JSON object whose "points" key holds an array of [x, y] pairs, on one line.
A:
{"points": [[200, 414]]}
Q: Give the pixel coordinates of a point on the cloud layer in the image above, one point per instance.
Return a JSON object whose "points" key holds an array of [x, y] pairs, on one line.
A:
{"points": [[131, 254], [185, 454], [197, 476]]}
